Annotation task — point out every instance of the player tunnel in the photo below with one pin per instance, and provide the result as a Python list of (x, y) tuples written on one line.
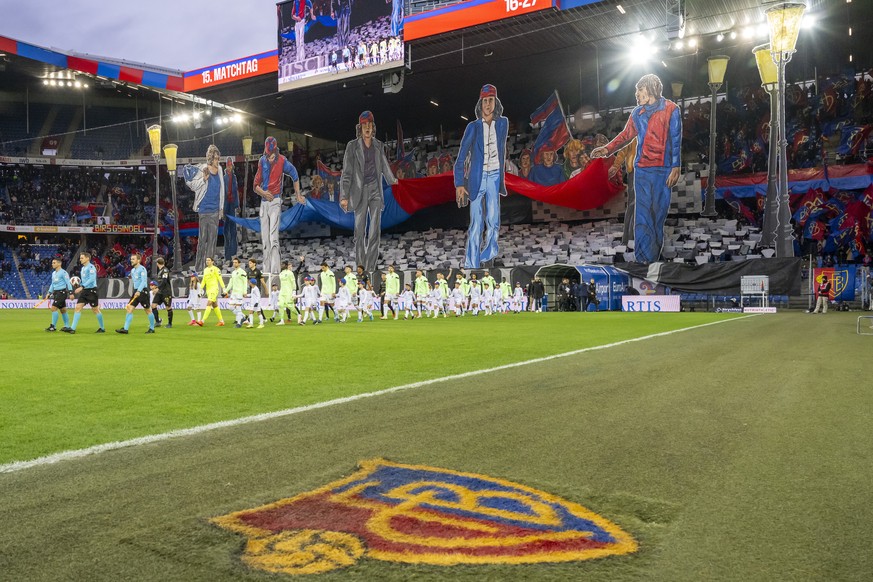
[(552, 277)]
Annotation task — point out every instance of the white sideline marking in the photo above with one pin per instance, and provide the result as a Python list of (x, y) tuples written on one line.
[(96, 449)]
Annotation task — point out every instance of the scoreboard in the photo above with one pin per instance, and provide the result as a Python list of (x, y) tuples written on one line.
[(466, 14)]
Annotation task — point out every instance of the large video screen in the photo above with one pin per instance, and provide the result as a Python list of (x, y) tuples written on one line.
[(329, 40)]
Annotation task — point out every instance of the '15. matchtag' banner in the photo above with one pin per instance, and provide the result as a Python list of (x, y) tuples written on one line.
[(466, 14), (222, 73)]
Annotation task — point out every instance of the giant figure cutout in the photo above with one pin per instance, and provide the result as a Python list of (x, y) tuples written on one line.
[(482, 185), (657, 124), (269, 179), (364, 167)]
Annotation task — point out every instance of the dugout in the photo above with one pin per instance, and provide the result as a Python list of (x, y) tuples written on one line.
[(611, 283)]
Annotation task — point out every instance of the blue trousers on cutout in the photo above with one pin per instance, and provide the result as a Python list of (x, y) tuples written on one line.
[(653, 203), (487, 207)]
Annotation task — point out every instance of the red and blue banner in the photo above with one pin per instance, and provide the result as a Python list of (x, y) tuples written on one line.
[(589, 189), (93, 66), (849, 177)]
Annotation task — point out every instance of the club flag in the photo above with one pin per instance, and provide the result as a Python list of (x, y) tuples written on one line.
[(741, 208), (807, 205), (554, 133), (842, 280), (814, 230)]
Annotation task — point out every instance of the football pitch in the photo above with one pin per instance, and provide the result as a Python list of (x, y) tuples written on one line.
[(727, 447)]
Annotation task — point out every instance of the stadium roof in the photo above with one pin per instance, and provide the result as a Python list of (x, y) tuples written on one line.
[(582, 52)]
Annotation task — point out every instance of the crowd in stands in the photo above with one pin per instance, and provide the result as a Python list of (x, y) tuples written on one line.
[(39, 258), (830, 122), (60, 196)]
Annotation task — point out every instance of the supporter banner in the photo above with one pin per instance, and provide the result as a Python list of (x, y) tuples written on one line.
[(650, 303), (136, 229), (842, 281), (720, 277), (850, 177), (589, 189)]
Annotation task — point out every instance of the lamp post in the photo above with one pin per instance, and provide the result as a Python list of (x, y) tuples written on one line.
[(247, 153), (170, 151), (716, 67), (154, 132), (768, 73), (677, 90), (783, 20)]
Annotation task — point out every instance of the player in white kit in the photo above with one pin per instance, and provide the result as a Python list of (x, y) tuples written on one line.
[(457, 299), (407, 301), (253, 304), (309, 301), (194, 295), (475, 297), (365, 302), (342, 302)]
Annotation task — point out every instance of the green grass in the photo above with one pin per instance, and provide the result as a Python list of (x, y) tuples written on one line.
[(68, 392), (738, 451)]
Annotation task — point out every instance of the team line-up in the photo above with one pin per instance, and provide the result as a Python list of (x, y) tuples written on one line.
[(314, 300)]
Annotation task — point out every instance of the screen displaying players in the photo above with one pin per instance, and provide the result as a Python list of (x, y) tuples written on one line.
[(325, 40)]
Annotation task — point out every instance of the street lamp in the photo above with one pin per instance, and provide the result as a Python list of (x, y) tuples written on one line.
[(247, 153), (716, 66), (783, 20), (768, 73), (170, 151), (677, 94), (154, 132), (677, 87)]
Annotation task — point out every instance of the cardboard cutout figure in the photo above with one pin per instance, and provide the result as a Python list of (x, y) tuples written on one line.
[(657, 124), (484, 145), (364, 166), (207, 182), (272, 168)]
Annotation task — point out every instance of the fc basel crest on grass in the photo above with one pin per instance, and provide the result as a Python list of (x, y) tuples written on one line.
[(421, 515)]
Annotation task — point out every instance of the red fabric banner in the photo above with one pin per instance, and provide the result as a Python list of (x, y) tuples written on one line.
[(589, 189)]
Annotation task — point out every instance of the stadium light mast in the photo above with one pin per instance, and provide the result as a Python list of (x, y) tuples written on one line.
[(170, 151), (247, 153), (769, 79), (783, 20), (154, 132), (716, 67)]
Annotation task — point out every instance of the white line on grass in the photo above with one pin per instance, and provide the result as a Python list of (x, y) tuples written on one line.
[(96, 449)]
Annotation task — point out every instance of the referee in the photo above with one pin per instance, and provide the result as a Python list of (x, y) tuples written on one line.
[(87, 294), (164, 294), (140, 295), (60, 289)]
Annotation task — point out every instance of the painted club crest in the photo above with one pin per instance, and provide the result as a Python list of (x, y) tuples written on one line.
[(421, 515)]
